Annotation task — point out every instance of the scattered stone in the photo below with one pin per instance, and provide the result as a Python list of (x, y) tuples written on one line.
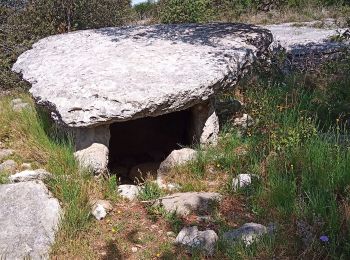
[(8, 166), (4, 153), (189, 202), (29, 217), (242, 181), (243, 122), (18, 105), (202, 240), (104, 203), (140, 172), (177, 158), (306, 47), (100, 209), (26, 166), (129, 191), (248, 233), (30, 175)]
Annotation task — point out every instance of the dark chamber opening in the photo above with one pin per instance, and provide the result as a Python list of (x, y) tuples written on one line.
[(146, 143)]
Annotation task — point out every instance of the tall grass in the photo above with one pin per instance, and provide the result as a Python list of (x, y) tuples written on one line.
[(35, 139), (302, 158)]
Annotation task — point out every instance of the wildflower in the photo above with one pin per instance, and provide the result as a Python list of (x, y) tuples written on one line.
[(158, 255), (324, 238), (114, 230)]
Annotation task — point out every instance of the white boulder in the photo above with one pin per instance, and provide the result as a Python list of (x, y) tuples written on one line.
[(200, 240)]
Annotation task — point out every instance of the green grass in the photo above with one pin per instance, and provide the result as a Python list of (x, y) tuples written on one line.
[(35, 139), (301, 158)]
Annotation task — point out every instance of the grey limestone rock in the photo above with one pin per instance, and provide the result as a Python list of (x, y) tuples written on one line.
[(189, 202), (29, 217), (195, 239), (93, 77)]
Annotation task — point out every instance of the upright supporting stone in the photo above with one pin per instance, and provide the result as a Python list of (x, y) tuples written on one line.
[(92, 147), (205, 124)]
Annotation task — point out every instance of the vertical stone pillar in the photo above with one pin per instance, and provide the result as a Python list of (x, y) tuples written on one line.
[(92, 148), (205, 124)]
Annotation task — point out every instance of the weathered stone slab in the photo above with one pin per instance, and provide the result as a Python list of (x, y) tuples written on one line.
[(29, 217), (190, 202), (307, 46), (95, 77)]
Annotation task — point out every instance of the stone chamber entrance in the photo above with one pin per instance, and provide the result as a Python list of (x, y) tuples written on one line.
[(137, 147)]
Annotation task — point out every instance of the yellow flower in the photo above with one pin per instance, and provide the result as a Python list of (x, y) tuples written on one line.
[(114, 230), (158, 255)]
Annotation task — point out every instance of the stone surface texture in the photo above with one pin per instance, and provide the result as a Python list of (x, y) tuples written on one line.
[(29, 217), (129, 191), (306, 45), (195, 239), (29, 175), (205, 124), (4, 153), (176, 158), (18, 104), (94, 77), (100, 208), (8, 166), (91, 146), (189, 202), (248, 233), (243, 180)]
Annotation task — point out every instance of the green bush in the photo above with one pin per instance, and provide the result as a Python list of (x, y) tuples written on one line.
[(21, 27), (185, 11)]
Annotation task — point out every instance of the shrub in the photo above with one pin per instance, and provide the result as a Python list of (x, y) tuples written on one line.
[(21, 27), (185, 11)]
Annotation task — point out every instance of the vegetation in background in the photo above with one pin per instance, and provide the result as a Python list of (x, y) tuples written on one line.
[(252, 11), (21, 27)]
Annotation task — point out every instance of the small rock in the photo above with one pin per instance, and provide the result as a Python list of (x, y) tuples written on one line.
[(4, 153), (8, 166), (134, 249), (26, 166), (248, 233), (100, 208), (20, 107), (202, 240), (189, 202), (177, 158), (30, 175), (104, 203), (129, 191), (18, 104), (244, 121), (243, 180), (99, 212)]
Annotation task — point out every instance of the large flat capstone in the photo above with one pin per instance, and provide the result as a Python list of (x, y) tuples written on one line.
[(29, 217), (96, 77)]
